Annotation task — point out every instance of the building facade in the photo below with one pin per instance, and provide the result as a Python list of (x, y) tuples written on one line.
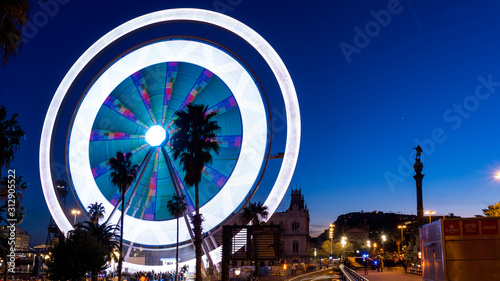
[(294, 224), (23, 238)]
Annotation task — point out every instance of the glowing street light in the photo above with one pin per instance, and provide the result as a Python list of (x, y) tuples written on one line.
[(402, 237), (331, 240), (430, 214), (237, 272), (75, 212), (384, 238), (343, 241)]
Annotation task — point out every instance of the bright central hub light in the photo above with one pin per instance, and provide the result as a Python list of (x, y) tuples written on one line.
[(156, 135)]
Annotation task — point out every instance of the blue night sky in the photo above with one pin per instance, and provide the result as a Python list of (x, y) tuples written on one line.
[(428, 74)]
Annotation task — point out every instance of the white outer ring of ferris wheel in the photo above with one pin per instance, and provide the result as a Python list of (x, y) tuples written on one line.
[(194, 15)]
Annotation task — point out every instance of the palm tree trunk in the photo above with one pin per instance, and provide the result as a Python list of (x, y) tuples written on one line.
[(197, 233), (177, 252), (257, 262), (120, 250)]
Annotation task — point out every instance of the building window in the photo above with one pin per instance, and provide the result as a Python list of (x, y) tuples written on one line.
[(295, 226), (295, 247)]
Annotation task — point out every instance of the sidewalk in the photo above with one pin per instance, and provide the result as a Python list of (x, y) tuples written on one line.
[(290, 277), (389, 274)]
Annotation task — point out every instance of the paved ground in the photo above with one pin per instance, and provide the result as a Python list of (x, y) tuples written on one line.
[(389, 274), (292, 278)]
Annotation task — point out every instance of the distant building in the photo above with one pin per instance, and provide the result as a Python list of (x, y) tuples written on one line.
[(361, 226), (357, 234), (22, 238), (294, 224)]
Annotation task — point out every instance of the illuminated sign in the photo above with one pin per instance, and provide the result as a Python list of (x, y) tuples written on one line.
[(489, 227), (451, 228), (470, 227)]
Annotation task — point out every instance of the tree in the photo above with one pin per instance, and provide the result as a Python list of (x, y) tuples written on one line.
[(96, 212), (254, 211), (123, 173), (4, 251), (193, 143), (11, 134), (176, 207), (12, 200), (492, 210), (104, 234), (86, 249), (14, 16), (451, 215)]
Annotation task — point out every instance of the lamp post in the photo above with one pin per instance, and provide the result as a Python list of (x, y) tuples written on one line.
[(343, 241), (383, 244), (237, 272), (315, 256), (75, 212), (430, 214), (402, 237), (331, 240)]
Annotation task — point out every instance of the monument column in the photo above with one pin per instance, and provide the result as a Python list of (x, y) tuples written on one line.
[(418, 166)]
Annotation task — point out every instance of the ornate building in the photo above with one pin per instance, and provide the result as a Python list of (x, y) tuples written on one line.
[(294, 224)]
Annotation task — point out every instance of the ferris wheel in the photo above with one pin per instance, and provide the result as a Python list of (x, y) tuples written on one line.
[(129, 105)]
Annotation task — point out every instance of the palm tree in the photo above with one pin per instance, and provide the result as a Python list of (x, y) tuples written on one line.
[(104, 233), (96, 212), (11, 133), (20, 186), (87, 248), (253, 212), (193, 143), (14, 16), (176, 207), (122, 175), (4, 251)]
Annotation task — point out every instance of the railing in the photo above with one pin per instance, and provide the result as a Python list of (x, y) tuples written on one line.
[(350, 274)]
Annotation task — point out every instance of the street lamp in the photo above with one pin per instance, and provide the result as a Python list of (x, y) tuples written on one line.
[(343, 241), (237, 272), (402, 237), (75, 212), (331, 240), (430, 214), (383, 243)]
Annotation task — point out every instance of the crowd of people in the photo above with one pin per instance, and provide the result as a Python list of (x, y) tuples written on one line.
[(155, 276)]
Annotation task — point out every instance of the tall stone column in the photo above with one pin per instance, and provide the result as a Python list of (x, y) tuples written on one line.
[(418, 166)]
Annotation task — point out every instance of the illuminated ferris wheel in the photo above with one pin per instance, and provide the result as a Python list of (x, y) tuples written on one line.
[(129, 105)]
